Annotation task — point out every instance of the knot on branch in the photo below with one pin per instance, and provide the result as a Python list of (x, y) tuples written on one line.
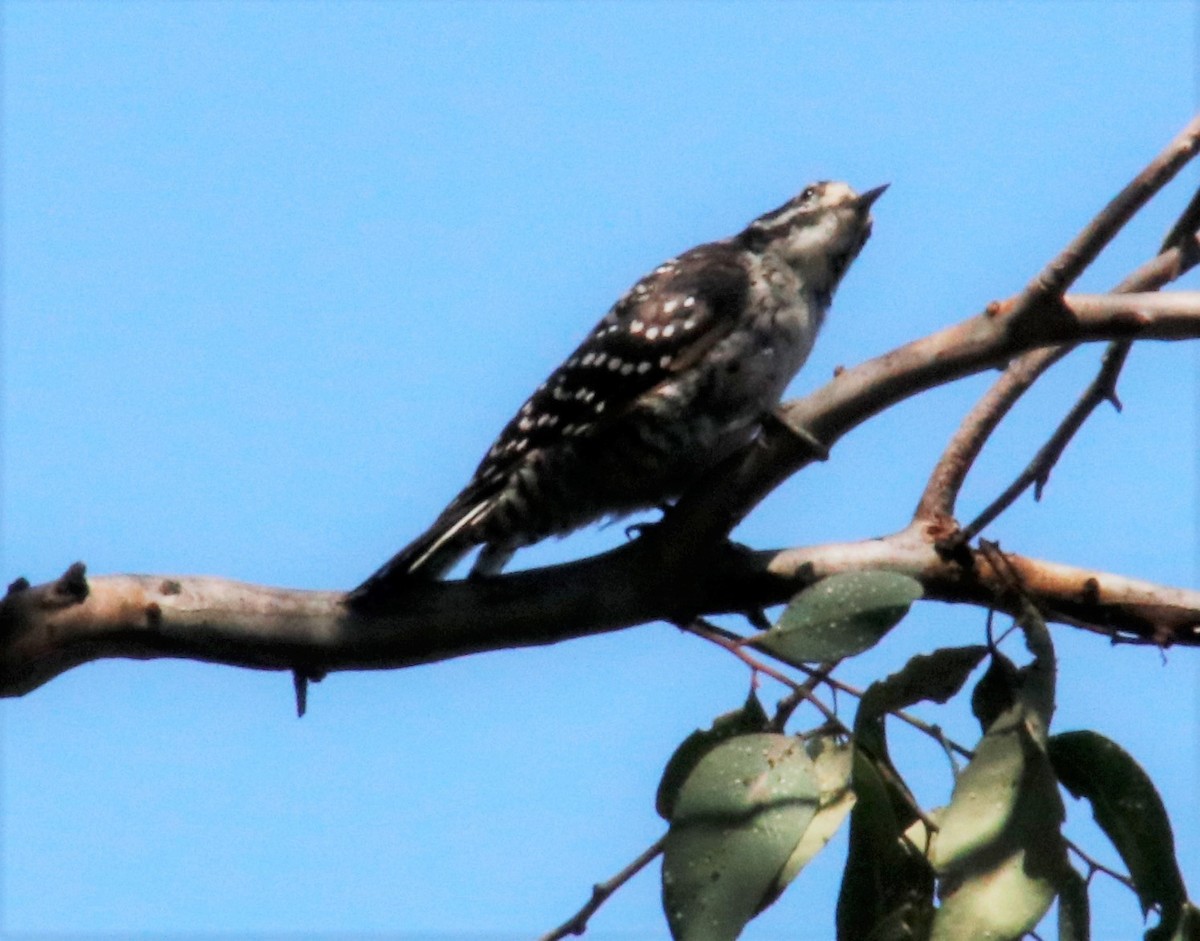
[(72, 586)]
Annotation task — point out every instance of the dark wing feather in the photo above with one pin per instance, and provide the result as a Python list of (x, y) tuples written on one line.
[(663, 325)]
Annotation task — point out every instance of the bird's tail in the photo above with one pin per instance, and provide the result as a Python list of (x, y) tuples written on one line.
[(427, 558)]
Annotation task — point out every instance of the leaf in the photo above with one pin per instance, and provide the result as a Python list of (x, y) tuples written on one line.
[(931, 677), (1002, 903), (832, 763), (841, 616), (751, 717), (737, 819), (887, 886), (999, 854), (1128, 809), (996, 690), (1074, 912), (1038, 677), (935, 676)]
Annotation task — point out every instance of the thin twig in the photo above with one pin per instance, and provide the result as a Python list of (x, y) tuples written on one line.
[(938, 501), (1103, 388), (920, 725), (718, 636), (1095, 866), (577, 923), (790, 702), (821, 675), (941, 492), (1180, 234), (948, 747), (1071, 262)]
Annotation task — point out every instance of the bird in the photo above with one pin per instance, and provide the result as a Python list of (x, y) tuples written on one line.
[(679, 373)]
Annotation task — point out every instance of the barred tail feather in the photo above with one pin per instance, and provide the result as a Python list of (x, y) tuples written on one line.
[(428, 557)]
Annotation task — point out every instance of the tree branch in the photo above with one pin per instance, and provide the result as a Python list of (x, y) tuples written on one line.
[(1178, 255), (601, 891), (46, 630), (667, 574), (1061, 273), (1103, 388), (938, 501)]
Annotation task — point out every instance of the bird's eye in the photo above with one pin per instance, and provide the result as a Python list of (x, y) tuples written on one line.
[(809, 194)]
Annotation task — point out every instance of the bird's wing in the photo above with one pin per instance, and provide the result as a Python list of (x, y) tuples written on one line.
[(663, 325)]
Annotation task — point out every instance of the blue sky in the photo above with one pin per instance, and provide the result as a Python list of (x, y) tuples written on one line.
[(276, 273)]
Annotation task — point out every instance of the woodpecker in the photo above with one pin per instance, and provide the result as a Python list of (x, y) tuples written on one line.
[(677, 375)]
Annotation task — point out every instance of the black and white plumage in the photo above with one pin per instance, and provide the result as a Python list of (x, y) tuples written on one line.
[(677, 375)]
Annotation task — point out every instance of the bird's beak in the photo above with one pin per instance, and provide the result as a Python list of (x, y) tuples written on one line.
[(867, 198)]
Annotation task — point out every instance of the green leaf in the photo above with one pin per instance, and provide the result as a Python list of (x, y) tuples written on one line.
[(887, 886), (933, 677), (1003, 683), (1128, 809), (999, 854), (936, 676), (841, 616), (1039, 676), (1002, 902), (996, 690), (749, 718), (1074, 912), (832, 763), (737, 819)]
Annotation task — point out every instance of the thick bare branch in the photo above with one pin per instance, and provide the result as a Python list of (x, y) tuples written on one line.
[(667, 574), (47, 629)]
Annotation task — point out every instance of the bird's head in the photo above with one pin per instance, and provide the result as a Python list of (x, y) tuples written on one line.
[(817, 233)]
